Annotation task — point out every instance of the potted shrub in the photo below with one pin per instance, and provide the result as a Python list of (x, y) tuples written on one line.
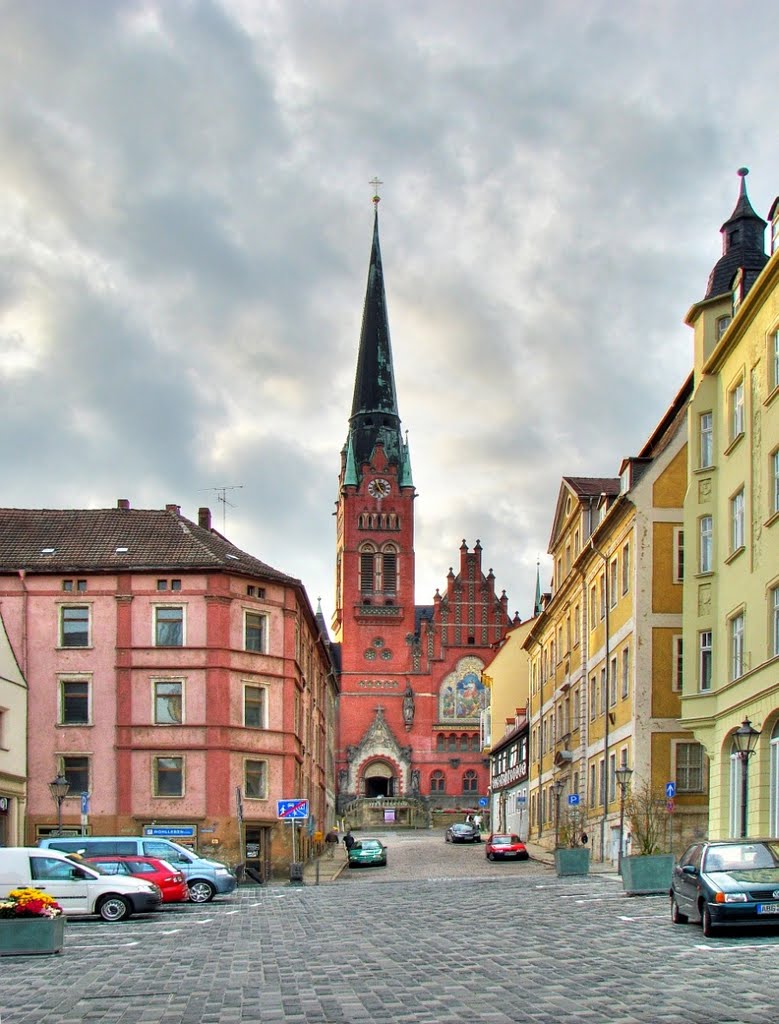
[(572, 856), (646, 870), (31, 922)]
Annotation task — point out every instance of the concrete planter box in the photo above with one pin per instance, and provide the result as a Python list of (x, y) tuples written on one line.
[(643, 875), (29, 936), (572, 861)]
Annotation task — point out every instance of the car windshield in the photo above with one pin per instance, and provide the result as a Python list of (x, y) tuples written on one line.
[(502, 840), (742, 857), (462, 828), (370, 844)]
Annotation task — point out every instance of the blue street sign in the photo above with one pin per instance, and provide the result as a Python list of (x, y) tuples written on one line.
[(170, 831), (573, 799), (292, 809), (670, 790), (482, 801), (85, 803)]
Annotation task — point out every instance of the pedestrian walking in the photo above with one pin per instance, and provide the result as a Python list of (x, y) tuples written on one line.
[(331, 841), (477, 821), (349, 841)]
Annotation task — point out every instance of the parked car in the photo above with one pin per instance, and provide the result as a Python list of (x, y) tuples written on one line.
[(171, 882), (76, 886), (502, 845), (733, 883), (463, 832), (205, 878), (367, 851)]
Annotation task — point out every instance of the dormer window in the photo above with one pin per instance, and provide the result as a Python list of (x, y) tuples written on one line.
[(738, 290), (722, 325), (625, 479)]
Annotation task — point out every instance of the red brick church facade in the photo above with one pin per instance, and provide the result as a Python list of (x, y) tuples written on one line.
[(412, 695)]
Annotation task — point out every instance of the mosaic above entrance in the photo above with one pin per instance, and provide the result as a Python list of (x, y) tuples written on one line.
[(463, 694)]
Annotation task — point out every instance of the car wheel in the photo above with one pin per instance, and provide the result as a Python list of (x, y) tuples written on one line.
[(706, 923), (677, 917), (490, 856), (201, 892), (114, 908)]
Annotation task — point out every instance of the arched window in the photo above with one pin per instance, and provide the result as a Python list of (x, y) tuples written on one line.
[(452, 743), (439, 743), (773, 825), (367, 569), (463, 743), (470, 782), (475, 743), (736, 775), (389, 569), (437, 782)]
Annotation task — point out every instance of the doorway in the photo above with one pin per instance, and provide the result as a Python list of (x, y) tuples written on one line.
[(379, 780), (258, 864)]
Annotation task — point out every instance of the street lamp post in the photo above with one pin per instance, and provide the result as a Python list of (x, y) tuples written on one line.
[(558, 790), (623, 780), (59, 788), (745, 739)]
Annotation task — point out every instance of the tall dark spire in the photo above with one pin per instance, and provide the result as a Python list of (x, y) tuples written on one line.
[(743, 245), (375, 417)]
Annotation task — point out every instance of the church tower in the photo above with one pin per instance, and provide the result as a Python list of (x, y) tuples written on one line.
[(412, 693)]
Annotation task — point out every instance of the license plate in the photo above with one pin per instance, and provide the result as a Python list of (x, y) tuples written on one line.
[(768, 908), (510, 853)]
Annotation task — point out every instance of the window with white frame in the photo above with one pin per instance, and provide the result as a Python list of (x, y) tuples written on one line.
[(625, 672), (677, 665), (576, 626), (169, 625), (255, 706), (704, 659), (612, 777), (593, 608), (602, 594), (592, 789), (678, 570), (737, 521), (774, 360), (737, 410), (255, 780), (255, 632), (723, 323), (626, 567), (613, 683), (706, 547), (168, 776), (737, 646), (774, 626), (168, 701), (603, 690), (690, 766), (593, 697), (775, 482), (706, 440), (74, 625), (75, 701), (613, 578)]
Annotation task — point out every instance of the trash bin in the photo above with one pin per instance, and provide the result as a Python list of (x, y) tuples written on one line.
[(296, 872)]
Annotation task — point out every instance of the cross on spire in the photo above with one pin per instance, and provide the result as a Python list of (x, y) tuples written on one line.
[(376, 197)]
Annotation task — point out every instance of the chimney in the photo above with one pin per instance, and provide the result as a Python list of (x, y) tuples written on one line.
[(173, 508), (123, 503), (204, 518)]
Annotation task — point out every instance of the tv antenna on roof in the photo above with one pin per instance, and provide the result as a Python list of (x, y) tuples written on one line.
[(221, 495)]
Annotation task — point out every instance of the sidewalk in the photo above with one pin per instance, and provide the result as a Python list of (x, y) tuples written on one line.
[(323, 869), (544, 856)]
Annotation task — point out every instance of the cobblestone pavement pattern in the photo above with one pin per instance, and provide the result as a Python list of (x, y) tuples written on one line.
[(438, 937)]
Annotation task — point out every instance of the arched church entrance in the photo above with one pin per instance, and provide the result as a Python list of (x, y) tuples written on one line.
[(379, 780)]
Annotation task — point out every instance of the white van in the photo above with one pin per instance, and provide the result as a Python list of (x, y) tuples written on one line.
[(78, 888), (206, 878)]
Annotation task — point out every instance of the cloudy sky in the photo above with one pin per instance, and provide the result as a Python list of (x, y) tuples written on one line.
[(185, 227)]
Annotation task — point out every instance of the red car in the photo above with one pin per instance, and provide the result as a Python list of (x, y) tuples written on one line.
[(503, 844), (171, 882)]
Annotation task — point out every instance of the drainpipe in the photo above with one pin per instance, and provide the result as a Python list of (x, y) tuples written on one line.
[(605, 703)]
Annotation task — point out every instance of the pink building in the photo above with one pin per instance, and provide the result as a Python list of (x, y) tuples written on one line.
[(172, 677)]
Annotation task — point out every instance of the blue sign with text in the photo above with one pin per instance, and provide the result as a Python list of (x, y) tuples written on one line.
[(170, 831)]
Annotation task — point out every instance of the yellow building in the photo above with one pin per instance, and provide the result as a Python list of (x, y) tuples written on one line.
[(731, 600), (504, 733), (605, 651)]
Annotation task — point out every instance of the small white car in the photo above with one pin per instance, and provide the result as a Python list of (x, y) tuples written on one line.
[(78, 888)]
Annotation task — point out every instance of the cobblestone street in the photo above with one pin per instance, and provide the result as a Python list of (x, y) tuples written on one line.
[(457, 939)]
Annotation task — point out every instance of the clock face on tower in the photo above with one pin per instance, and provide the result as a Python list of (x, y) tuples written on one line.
[(379, 488)]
